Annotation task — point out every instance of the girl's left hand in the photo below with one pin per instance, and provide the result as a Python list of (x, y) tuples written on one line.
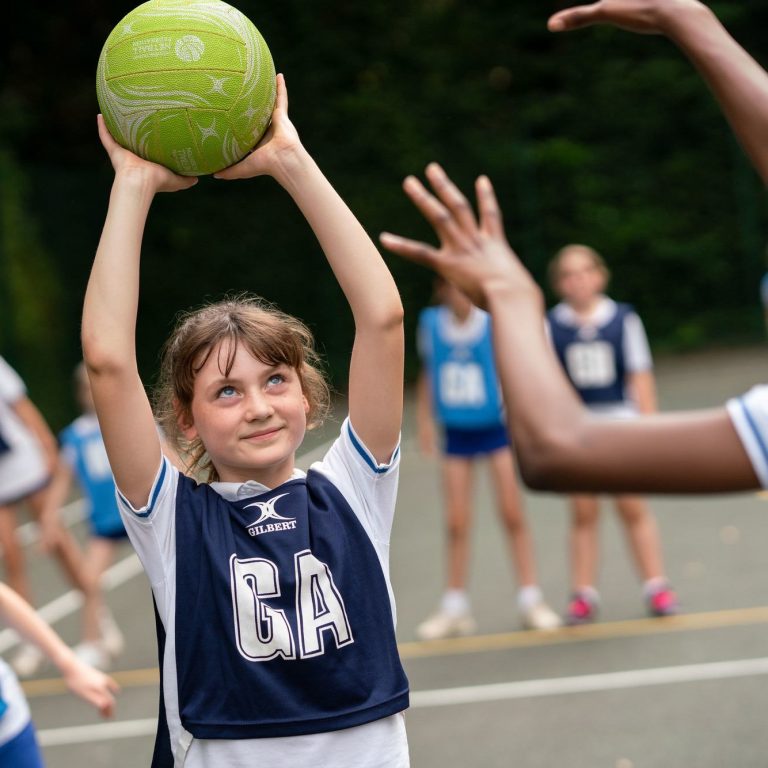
[(270, 154)]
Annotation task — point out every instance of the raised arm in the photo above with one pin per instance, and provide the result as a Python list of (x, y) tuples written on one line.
[(738, 82), (376, 367), (560, 445), (109, 321), (91, 685)]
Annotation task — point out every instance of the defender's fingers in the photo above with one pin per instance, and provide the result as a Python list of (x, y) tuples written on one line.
[(574, 18), (452, 197), (413, 250), (434, 211), (491, 220)]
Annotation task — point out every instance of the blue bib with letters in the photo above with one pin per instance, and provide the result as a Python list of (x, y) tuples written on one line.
[(465, 389), (283, 619)]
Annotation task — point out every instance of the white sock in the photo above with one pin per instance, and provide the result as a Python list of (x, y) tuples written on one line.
[(455, 602), (591, 594), (652, 586), (529, 597)]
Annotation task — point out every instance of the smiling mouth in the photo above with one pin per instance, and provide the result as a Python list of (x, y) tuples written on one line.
[(265, 435)]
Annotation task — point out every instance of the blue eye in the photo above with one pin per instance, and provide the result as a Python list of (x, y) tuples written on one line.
[(276, 378), (227, 392)]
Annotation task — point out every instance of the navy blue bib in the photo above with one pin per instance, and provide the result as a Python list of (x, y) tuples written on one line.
[(283, 619), (595, 365)]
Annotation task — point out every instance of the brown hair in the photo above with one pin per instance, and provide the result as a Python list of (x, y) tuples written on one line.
[(270, 335), (553, 268)]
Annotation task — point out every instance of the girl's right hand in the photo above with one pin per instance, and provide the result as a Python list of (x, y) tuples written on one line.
[(126, 163), (277, 146)]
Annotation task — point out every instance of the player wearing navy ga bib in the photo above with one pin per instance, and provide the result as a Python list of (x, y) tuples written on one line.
[(296, 579), (462, 374)]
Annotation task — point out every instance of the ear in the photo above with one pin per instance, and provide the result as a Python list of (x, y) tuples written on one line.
[(185, 422), (306, 405)]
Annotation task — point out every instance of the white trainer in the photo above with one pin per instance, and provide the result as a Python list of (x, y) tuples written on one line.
[(112, 640), (441, 625), (92, 654), (540, 616), (27, 660)]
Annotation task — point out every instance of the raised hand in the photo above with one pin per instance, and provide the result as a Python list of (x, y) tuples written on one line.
[(474, 253), (644, 16), (125, 162), (269, 155)]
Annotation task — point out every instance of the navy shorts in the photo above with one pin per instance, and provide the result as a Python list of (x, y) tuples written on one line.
[(475, 442)]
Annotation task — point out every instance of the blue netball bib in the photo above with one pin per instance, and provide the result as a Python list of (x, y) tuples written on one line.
[(465, 389), (283, 620)]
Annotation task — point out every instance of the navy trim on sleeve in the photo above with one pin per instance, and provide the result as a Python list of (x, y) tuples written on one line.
[(360, 448), (755, 431), (153, 498)]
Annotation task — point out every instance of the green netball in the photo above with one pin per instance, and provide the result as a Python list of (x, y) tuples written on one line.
[(189, 84)]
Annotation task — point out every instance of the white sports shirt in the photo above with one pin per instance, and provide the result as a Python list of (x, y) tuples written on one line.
[(371, 490), (749, 414)]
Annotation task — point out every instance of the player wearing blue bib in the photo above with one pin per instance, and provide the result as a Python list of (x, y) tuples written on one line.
[(275, 612), (459, 391), (83, 458), (604, 352)]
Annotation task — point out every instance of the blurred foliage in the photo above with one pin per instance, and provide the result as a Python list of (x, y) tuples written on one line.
[(598, 136)]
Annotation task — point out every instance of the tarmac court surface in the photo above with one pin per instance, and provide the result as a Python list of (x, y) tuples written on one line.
[(627, 692)]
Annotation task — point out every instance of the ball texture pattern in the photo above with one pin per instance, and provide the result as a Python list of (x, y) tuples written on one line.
[(189, 84)]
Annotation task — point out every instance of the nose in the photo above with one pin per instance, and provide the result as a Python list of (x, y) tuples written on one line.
[(257, 406)]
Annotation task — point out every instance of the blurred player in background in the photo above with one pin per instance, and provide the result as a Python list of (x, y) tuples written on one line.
[(28, 458), (604, 351), (83, 458), (458, 390)]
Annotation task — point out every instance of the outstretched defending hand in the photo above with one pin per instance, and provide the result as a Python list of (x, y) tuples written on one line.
[(474, 253), (280, 139), (645, 16), (160, 178)]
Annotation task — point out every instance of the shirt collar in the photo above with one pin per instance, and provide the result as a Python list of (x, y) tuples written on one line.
[(237, 491), (603, 312)]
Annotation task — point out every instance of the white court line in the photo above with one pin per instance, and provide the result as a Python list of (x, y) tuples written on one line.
[(475, 694), (82, 734), (606, 681)]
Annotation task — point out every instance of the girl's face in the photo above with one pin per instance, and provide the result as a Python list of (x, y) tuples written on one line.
[(252, 421), (579, 279)]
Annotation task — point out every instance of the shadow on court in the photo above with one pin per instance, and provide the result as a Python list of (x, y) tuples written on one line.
[(627, 692)]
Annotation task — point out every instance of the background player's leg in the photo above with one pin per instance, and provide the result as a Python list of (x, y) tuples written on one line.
[(454, 615), (534, 612), (645, 544), (584, 546)]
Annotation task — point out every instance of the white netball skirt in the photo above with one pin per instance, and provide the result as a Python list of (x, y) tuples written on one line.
[(23, 471)]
